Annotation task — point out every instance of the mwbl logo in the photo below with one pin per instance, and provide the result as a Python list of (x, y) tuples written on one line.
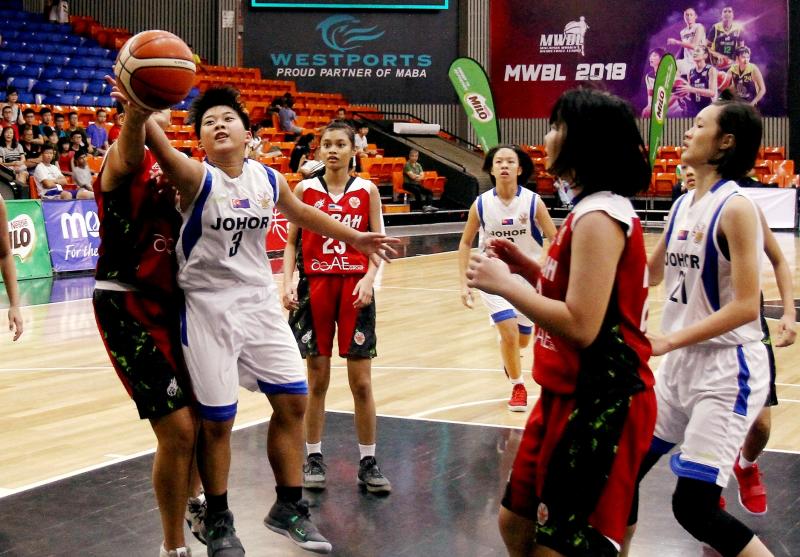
[(343, 33)]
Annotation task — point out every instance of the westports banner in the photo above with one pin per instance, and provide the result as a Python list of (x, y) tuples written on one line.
[(28, 239), (540, 48), (472, 88), (370, 57), (73, 230)]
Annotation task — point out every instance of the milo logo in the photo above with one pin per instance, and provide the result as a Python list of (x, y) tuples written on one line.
[(22, 236), (480, 109), (661, 97)]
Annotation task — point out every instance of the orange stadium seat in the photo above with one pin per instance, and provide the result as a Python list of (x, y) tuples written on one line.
[(663, 183), (773, 153), (669, 152), (762, 168), (545, 184), (785, 167)]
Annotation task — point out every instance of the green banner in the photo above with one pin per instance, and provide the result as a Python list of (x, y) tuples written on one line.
[(28, 239), (472, 87), (662, 88)]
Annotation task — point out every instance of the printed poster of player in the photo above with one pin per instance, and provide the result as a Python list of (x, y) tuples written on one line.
[(540, 48)]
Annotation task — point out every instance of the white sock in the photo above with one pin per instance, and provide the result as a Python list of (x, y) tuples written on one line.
[(744, 463), (200, 498), (518, 381), (312, 448), (366, 450)]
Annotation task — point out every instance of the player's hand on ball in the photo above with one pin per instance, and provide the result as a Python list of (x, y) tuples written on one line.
[(489, 274)]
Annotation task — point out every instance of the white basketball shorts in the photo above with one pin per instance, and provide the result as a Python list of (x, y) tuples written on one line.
[(238, 337), (708, 397), (500, 310)]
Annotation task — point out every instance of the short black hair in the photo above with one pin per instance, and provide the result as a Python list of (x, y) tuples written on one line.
[(48, 147), (743, 50), (525, 162), (11, 90), (305, 139), (216, 96), (339, 125), (44, 111), (600, 127), (28, 111), (72, 113), (743, 122), (58, 115)]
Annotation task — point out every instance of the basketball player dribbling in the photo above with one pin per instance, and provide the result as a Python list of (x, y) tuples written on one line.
[(591, 427), (715, 377), (8, 270), (233, 331), (335, 294), (136, 303), (509, 210)]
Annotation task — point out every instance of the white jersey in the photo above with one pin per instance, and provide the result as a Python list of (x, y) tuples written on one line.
[(694, 34), (223, 237), (697, 276), (515, 221)]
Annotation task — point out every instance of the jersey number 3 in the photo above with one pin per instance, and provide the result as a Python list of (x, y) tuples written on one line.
[(237, 239)]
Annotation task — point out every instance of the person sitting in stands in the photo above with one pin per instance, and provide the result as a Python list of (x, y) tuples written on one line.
[(97, 134), (65, 154), (47, 126), (29, 120), (8, 121), (412, 182), (74, 126), (288, 118), (12, 95), (32, 151), (12, 156), (116, 127), (82, 175), (50, 180)]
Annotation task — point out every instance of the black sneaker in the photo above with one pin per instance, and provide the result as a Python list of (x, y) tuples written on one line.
[(370, 475), (221, 536), (314, 472), (294, 521)]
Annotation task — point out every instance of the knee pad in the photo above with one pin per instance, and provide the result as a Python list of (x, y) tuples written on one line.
[(695, 505)]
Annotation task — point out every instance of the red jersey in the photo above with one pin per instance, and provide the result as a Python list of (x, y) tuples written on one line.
[(557, 361), (322, 255), (139, 226)]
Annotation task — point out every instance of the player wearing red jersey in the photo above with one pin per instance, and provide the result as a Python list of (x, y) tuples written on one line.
[(136, 302), (335, 292), (592, 425)]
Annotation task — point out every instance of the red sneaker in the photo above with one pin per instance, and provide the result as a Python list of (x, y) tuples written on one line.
[(722, 503), (752, 494), (519, 398)]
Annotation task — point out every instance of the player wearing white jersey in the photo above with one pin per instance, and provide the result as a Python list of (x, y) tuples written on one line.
[(714, 379), (507, 211), (233, 330), (692, 35)]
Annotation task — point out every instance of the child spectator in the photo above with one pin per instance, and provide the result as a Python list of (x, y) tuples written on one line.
[(50, 181), (65, 154), (98, 136), (81, 173)]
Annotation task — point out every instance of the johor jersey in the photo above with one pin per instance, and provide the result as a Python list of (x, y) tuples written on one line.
[(697, 274), (515, 221), (322, 255), (621, 340), (222, 242), (137, 242), (743, 82)]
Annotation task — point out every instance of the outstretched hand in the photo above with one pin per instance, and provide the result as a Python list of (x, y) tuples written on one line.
[(376, 245), (121, 96)]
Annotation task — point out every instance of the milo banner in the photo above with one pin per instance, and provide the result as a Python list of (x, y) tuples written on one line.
[(472, 88), (662, 89), (540, 48), (28, 239), (73, 230)]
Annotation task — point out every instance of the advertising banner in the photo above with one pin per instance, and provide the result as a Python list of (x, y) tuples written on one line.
[(662, 90), (540, 48), (73, 231), (370, 57), (472, 88), (26, 232)]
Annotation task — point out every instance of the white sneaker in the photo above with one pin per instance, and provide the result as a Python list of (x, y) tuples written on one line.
[(178, 552), (195, 516)]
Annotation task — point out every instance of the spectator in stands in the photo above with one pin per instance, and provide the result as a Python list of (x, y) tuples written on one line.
[(74, 126), (32, 150), (12, 155), (412, 182), (274, 108), (29, 121), (341, 116), (50, 181), (301, 152), (57, 11), (288, 118), (362, 145), (81, 173), (65, 154), (52, 140), (97, 134), (60, 128), (47, 126), (12, 96), (9, 122), (113, 132), (684, 185), (76, 142)]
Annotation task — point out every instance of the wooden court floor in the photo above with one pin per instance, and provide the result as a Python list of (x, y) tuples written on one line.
[(63, 410)]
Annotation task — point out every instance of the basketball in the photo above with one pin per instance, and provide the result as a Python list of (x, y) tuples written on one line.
[(155, 69), (679, 82)]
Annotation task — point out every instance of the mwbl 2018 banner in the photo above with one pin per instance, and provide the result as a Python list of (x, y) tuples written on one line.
[(540, 48)]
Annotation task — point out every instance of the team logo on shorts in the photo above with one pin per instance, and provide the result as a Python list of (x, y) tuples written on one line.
[(355, 202), (542, 514), (172, 390), (306, 337), (359, 338)]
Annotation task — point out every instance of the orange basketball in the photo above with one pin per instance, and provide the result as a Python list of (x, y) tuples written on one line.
[(155, 69)]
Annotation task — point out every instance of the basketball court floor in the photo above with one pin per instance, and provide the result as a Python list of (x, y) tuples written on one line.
[(75, 461)]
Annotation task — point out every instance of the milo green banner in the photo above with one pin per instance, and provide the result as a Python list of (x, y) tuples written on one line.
[(28, 239), (472, 87), (662, 87)]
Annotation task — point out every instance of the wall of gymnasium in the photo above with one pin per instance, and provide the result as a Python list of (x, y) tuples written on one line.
[(198, 22)]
